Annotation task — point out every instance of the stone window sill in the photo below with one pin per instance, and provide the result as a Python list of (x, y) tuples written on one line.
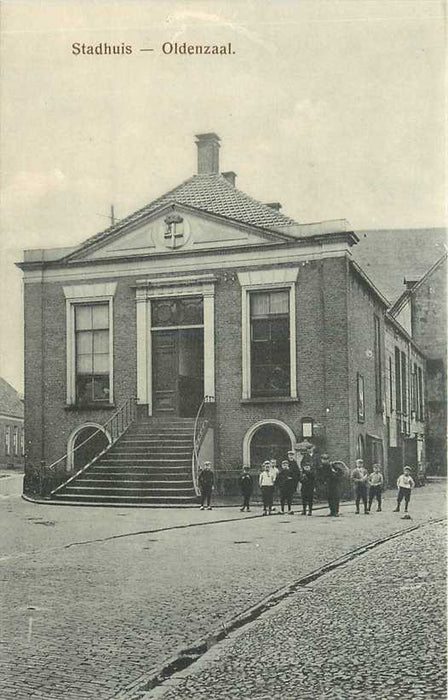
[(97, 406), (270, 399)]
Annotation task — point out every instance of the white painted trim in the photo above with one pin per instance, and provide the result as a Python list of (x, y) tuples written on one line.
[(268, 276), (159, 264), (267, 279), (179, 280), (90, 291), (209, 344), (148, 340), (199, 285), (11, 418), (142, 347), (293, 341), (72, 437), (256, 426), (245, 336), (71, 302)]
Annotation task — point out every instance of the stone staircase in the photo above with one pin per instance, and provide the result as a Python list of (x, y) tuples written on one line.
[(150, 464)]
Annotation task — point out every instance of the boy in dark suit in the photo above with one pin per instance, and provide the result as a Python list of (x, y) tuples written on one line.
[(246, 486)]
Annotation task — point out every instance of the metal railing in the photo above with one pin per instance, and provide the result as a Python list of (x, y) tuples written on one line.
[(200, 429), (114, 427)]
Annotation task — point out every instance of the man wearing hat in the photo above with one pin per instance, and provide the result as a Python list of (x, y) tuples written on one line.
[(360, 477), (294, 468), (333, 473), (405, 484)]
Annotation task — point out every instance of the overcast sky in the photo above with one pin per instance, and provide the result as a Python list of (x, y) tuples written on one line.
[(335, 109)]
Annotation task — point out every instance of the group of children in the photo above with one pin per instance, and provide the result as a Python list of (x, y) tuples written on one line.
[(286, 480), (368, 486)]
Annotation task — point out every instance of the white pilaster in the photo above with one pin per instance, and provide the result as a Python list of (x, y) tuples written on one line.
[(142, 347), (209, 344)]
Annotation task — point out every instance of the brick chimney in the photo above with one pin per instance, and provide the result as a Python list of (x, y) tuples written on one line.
[(274, 205), (230, 177), (208, 153)]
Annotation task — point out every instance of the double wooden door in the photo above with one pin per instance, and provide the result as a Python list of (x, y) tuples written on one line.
[(177, 371)]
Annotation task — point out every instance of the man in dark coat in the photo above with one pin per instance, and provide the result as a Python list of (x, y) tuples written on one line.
[(333, 473), (294, 468), (307, 478), (246, 486), (286, 485), (205, 481)]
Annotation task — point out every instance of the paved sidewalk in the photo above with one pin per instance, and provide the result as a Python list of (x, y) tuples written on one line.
[(375, 628), (85, 613)]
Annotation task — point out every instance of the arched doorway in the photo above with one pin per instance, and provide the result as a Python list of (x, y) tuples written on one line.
[(82, 447), (267, 440)]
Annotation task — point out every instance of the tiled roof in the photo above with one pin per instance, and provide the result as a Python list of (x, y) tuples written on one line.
[(210, 193), (10, 403)]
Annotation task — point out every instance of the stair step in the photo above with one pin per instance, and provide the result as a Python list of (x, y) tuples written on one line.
[(131, 450), (109, 459), (153, 471), (149, 464), (133, 483), (121, 500), (140, 493)]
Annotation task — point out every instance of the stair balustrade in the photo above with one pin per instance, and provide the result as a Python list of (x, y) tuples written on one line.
[(201, 425), (115, 426)]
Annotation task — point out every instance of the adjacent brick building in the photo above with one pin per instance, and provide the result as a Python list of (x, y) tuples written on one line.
[(421, 310), (206, 292), (12, 449)]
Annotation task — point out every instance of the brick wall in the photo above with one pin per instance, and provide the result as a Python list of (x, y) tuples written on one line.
[(48, 421), (429, 328), (334, 332), (321, 362), (363, 307)]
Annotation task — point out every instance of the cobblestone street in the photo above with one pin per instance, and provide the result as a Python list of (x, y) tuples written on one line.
[(93, 599), (374, 629)]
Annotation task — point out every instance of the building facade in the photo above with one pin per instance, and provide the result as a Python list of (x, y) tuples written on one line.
[(421, 310), (206, 293), (12, 437)]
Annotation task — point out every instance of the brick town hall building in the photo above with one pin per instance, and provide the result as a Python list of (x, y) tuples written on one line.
[(208, 325)]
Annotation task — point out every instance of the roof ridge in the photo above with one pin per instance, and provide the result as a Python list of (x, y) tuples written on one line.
[(244, 208), (398, 305)]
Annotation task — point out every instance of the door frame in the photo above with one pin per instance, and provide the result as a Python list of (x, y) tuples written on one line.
[(176, 333), (174, 287)]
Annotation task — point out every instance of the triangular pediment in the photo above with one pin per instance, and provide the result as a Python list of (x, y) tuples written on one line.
[(175, 228)]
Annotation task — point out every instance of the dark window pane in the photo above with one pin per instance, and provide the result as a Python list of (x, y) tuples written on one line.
[(279, 328), (261, 353), (270, 352), (101, 387), (186, 311), (261, 329)]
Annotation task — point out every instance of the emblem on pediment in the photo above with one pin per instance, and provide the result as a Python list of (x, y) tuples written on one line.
[(176, 232)]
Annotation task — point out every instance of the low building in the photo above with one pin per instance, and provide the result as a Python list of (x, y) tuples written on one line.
[(238, 331), (12, 437)]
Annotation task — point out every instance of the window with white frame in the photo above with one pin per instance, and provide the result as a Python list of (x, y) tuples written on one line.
[(15, 440), (269, 363), (270, 343), (22, 442), (92, 373), (8, 440), (89, 344)]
